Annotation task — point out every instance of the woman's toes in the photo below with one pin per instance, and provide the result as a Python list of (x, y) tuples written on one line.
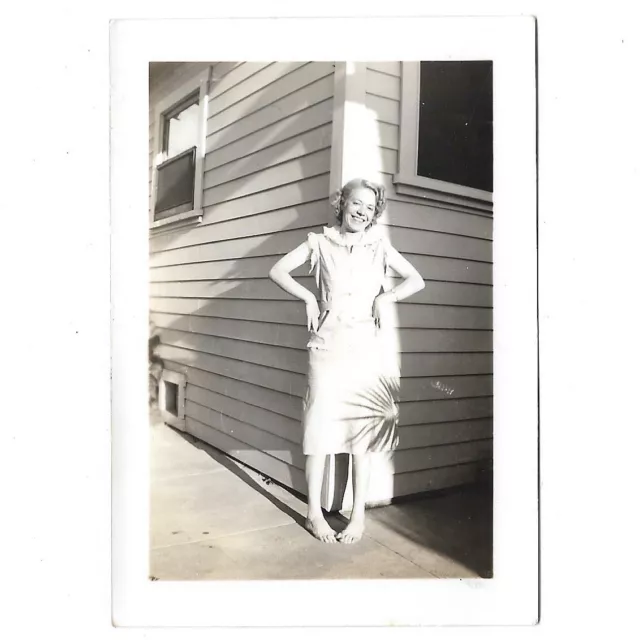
[(320, 529), (352, 533)]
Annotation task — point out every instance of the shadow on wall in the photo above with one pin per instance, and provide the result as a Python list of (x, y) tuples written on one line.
[(222, 299), (156, 365), (223, 295)]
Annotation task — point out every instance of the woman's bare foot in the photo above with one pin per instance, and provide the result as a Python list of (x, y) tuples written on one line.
[(353, 531), (320, 529)]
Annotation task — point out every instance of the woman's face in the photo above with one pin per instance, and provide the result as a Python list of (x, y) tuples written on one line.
[(358, 211)]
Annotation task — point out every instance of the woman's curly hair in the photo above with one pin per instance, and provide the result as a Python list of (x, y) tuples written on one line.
[(339, 198)]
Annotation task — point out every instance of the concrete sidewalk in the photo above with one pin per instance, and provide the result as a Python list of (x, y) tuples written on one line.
[(213, 518)]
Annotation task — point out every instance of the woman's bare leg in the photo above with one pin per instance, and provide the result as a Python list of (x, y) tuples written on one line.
[(361, 468), (316, 524)]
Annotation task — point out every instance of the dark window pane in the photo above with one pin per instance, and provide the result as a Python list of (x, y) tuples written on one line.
[(175, 184), (171, 398), (455, 139)]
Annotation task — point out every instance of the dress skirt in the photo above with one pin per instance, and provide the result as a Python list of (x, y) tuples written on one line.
[(351, 402)]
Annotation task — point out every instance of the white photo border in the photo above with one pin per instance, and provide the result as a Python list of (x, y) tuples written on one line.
[(511, 597)]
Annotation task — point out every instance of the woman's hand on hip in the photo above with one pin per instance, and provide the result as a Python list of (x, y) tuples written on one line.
[(313, 314), (381, 302)]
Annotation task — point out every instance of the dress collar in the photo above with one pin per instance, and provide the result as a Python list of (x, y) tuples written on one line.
[(372, 236)]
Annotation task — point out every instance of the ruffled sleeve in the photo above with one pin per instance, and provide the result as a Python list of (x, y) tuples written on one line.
[(314, 254), (386, 246)]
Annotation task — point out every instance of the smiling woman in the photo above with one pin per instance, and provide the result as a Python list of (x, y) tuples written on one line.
[(353, 384)]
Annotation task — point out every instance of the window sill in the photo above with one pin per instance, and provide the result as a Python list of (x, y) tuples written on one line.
[(186, 219), (438, 191)]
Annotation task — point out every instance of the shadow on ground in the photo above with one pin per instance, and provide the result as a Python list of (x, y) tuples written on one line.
[(262, 484), (454, 524)]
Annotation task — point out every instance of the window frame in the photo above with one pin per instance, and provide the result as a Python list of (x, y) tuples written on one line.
[(406, 180), (178, 419), (164, 109), (177, 209)]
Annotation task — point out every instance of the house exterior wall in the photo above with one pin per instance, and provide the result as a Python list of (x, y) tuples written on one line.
[(445, 331), (279, 138), (239, 339)]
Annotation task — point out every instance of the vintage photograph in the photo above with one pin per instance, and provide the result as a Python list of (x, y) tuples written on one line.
[(321, 320)]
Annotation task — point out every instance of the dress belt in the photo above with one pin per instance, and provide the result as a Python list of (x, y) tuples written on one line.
[(345, 312)]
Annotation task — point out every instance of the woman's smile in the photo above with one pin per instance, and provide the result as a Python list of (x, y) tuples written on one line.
[(358, 217), (359, 210)]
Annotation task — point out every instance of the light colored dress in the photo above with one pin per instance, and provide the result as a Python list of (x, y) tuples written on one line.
[(351, 401)]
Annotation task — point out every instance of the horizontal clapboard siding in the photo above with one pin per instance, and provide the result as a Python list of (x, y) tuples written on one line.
[(201, 266), (255, 268), (434, 445), (427, 435), (224, 80), (428, 236), (452, 475), (247, 248), (265, 88), (287, 360), (428, 411), (384, 109), (244, 370), (249, 436), (288, 451), (253, 257), (266, 186), (382, 84), (287, 195), (414, 389), (271, 154), (282, 118), (249, 92), (438, 456), (293, 312), (261, 460), (277, 402), (301, 205), (388, 135), (416, 242), (281, 433), (435, 293), (289, 367), (389, 67), (249, 444), (314, 164), (425, 217), (296, 337)]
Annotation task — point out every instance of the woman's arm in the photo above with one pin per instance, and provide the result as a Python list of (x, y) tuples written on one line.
[(412, 283), (280, 274)]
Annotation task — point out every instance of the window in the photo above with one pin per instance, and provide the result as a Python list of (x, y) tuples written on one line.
[(446, 132), (171, 398), (455, 123), (180, 129)]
